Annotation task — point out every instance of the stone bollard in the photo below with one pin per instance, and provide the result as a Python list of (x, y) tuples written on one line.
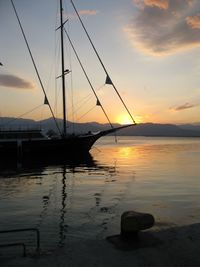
[(132, 222)]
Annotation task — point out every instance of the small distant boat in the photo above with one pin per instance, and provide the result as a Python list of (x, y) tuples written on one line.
[(33, 143)]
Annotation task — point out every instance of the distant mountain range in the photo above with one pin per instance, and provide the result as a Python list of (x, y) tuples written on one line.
[(143, 129)]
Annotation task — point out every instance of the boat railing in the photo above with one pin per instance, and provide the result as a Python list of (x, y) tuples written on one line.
[(20, 128), (21, 243), (6, 134)]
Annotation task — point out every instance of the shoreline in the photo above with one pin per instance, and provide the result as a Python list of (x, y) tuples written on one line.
[(174, 246)]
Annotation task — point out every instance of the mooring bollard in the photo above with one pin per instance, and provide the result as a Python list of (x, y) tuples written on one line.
[(133, 222)]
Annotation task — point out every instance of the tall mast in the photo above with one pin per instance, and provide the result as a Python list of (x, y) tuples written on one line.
[(63, 69)]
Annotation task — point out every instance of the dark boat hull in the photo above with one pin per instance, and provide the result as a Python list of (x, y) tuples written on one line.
[(70, 147), (67, 147)]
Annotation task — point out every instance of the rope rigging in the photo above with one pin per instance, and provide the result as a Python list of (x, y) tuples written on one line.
[(64, 72), (20, 116), (85, 100), (34, 64), (108, 79), (86, 113), (91, 86)]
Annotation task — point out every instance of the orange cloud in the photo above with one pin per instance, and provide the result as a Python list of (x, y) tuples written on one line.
[(165, 30), (83, 12), (194, 21), (162, 4), (89, 12)]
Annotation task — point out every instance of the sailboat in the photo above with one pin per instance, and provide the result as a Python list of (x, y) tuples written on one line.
[(32, 143)]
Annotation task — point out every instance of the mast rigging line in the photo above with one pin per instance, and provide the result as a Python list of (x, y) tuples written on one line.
[(63, 69), (20, 116), (83, 102), (86, 99), (69, 52), (86, 113), (34, 64), (83, 69), (100, 60)]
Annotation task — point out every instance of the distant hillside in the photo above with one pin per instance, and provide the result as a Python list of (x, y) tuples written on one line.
[(14, 123), (195, 127), (151, 129), (143, 129)]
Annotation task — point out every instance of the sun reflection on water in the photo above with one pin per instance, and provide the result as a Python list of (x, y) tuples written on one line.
[(148, 175)]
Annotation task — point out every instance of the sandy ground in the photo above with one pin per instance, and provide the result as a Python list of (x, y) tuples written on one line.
[(175, 246)]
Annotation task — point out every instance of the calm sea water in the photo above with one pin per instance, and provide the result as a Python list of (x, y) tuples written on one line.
[(156, 175)]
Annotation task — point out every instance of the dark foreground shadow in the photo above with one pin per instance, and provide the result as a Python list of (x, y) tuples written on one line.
[(142, 240), (175, 246)]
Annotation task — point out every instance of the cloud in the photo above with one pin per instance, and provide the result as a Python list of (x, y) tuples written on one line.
[(194, 21), (184, 106), (15, 82), (89, 12), (162, 27), (162, 4), (138, 4), (83, 12)]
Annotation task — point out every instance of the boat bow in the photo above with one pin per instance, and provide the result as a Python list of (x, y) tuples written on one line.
[(113, 130)]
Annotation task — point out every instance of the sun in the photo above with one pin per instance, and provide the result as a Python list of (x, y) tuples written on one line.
[(126, 119)]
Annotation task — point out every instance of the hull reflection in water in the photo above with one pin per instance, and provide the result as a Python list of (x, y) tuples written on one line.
[(40, 162), (52, 197)]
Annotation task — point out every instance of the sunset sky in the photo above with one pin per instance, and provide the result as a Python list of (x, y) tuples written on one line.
[(151, 49)]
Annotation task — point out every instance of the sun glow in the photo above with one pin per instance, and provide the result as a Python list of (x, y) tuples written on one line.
[(126, 119)]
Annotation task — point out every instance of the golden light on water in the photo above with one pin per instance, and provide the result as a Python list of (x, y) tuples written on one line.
[(125, 152)]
